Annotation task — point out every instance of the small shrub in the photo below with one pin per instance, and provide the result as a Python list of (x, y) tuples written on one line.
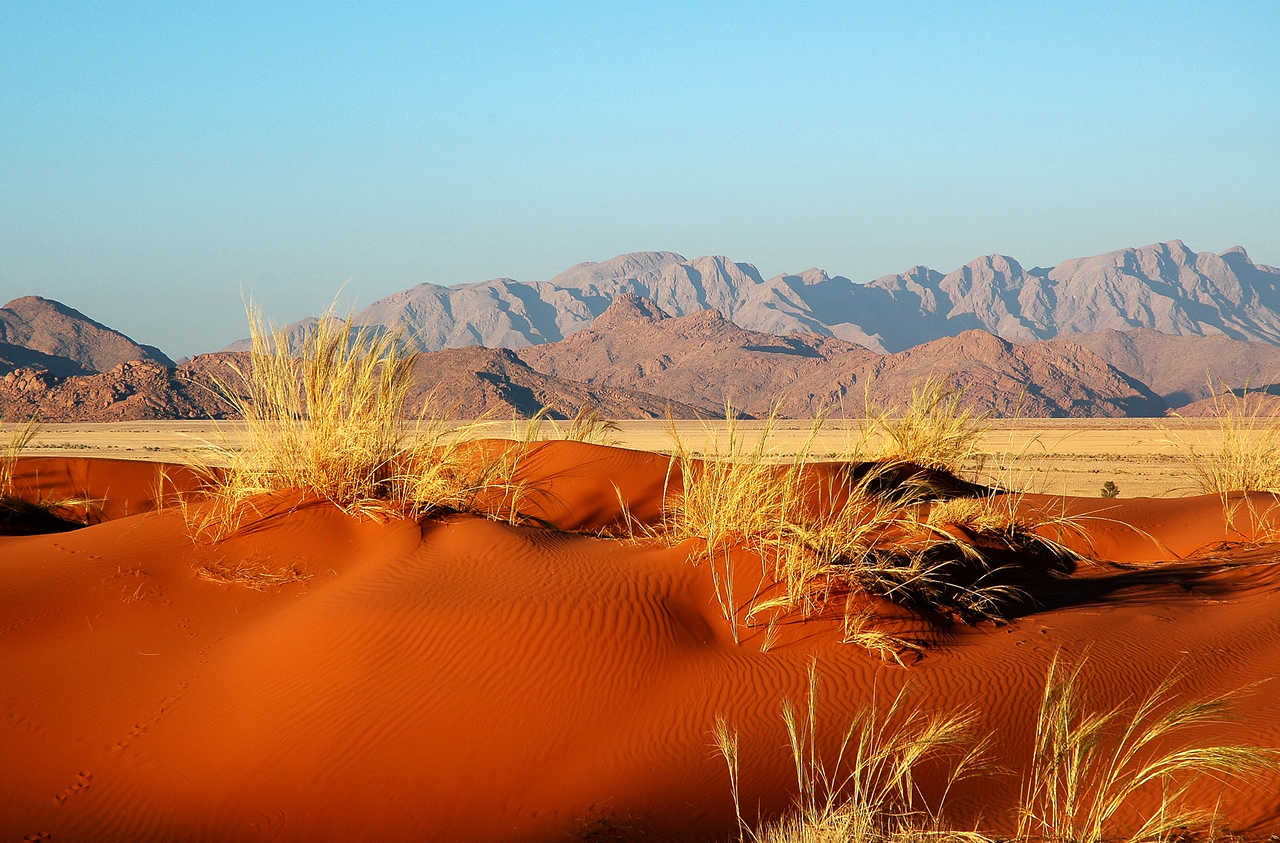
[(1109, 490)]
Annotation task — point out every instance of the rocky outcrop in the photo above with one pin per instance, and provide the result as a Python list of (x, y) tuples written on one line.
[(133, 391), (463, 383)]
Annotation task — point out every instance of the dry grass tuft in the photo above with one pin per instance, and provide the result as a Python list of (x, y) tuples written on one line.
[(254, 575), (867, 791), (588, 425), (985, 514), (1090, 765), (822, 533), (1247, 457), (329, 422), (1087, 768), (15, 441), (934, 430)]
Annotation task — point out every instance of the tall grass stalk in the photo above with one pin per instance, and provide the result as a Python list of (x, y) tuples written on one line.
[(15, 440), (1090, 766), (1246, 457), (866, 789)]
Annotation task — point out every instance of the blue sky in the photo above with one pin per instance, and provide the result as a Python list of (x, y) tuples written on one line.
[(155, 161)]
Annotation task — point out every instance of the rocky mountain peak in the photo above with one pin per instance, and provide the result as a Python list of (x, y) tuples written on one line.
[(628, 307), (52, 328)]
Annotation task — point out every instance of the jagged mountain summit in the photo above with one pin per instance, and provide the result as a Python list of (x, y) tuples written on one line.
[(1164, 287)]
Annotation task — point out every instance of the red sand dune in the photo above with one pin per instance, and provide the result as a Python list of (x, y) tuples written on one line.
[(465, 679)]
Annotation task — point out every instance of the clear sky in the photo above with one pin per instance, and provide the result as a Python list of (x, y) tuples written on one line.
[(158, 159)]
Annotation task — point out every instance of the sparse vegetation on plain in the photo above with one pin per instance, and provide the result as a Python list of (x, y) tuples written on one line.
[(1088, 768)]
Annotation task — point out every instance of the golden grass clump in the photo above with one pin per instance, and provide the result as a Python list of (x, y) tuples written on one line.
[(867, 789), (982, 514), (934, 430), (589, 425), (739, 500), (1246, 457), (1088, 767), (826, 531), (329, 422)]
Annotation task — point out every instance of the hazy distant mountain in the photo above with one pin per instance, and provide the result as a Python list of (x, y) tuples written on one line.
[(1178, 368), (702, 359), (1164, 287), (53, 329), (1132, 332)]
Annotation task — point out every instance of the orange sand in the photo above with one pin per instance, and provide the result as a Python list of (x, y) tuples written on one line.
[(464, 679)]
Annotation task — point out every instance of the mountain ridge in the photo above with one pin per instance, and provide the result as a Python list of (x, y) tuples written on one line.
[(703, 359), (1165, 287), (75, 341)]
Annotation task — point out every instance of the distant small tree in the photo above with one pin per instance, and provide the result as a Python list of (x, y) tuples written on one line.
[(1110, 490)]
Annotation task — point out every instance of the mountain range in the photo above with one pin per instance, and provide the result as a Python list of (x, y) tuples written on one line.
[(1136, 332), (703, 360), (1164, 287)]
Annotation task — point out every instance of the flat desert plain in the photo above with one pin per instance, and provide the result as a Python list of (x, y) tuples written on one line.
[(1143, 457), (558, 670)]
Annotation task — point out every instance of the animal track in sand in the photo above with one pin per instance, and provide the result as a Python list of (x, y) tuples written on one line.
[(84, 779), (143, 726)]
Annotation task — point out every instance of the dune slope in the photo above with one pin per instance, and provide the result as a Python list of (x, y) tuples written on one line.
[(465, 679)]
